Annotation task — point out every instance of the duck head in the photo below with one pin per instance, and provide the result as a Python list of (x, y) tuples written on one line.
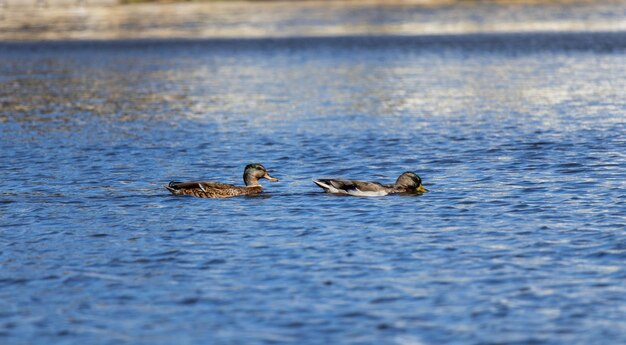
[(253, 172), (410, 182)]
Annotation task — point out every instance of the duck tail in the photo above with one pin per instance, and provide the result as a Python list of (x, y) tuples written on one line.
[(325, 185), (172, 187)]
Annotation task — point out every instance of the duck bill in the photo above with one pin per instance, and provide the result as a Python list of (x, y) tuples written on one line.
[(267, 176), (421, 189)]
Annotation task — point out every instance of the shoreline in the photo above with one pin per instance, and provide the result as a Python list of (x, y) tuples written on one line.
[(276, 19), (601, 42)]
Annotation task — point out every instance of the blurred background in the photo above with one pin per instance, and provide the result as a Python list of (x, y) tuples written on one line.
[(132, 19)]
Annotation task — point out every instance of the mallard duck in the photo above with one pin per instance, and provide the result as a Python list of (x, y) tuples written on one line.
[(408, 182), (203, 189)]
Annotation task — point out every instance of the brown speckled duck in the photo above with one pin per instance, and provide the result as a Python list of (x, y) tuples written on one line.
[(408, 183), (204, 189)]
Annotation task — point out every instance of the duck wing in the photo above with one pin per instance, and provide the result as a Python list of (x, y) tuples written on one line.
[(352, 187), (199, 184)]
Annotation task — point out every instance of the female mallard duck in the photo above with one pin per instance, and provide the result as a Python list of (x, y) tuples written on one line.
[(408, 182), (203, 189)]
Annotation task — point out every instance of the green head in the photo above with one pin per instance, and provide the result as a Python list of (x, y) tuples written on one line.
[(253, 172), (410, 182)]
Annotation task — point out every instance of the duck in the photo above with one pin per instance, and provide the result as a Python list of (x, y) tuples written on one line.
[(205, 189), (408, 183)]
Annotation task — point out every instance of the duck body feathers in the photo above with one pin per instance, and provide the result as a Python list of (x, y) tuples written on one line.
[(407, 183), (353, 187), (205, 189)]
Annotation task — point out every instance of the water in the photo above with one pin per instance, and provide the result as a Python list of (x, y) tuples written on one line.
[(520, 139)]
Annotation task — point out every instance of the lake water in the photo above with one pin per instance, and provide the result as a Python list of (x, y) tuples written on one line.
[(520, 138)]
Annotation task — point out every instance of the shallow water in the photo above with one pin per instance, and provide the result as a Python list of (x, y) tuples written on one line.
[(520, 139)]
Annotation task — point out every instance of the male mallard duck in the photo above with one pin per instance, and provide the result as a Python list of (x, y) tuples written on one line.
[(408, 182), (203, 189)]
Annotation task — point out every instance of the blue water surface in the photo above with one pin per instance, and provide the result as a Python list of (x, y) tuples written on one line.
[(521, 140)]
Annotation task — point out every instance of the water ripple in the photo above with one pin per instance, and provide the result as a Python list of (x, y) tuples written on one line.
[(520, 239)]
